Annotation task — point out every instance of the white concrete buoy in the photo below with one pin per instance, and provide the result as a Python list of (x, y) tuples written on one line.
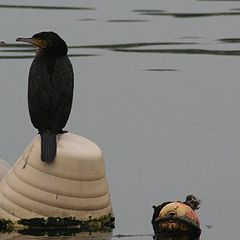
[(73, 185)]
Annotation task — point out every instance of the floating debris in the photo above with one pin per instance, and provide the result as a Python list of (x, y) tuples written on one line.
[(177, 217)]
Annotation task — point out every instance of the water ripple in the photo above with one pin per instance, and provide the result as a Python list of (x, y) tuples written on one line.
[(151, 12), (229, 40), (161, 70), (218, 0), (32, 56), (131, 45), (46, 7), (87, 19), (127, 20), (23, 50), (184, 51)]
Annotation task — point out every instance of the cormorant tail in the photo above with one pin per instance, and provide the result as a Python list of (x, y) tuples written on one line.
[(48, 147)]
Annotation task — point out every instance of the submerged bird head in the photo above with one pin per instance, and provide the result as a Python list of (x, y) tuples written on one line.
[(47, 42), (193, 202)]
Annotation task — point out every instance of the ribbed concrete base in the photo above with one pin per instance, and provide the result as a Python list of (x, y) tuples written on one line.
[(4, 168), (74, 185)]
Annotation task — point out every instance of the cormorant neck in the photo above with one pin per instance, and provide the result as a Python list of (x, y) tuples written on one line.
[(53, 52)]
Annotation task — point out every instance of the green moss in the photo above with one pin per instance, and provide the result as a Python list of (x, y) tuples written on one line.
[(6, 225), (55, 226)]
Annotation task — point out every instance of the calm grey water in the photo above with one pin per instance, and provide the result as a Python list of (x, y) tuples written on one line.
[(157, 87)]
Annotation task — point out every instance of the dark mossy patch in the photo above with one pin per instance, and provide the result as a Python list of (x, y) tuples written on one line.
[(50, 232), (95, 224), (56, 226), (164, 225), (6, 225)]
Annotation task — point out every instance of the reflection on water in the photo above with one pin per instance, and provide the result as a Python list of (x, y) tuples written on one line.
[(183, 237), (160, 237), (131, 45), (161, 69), (126, 20), (184, 51), (183, 122), (32, 56), (46, 7), (56, 236), (218, 0), (87, 19), (151, 12), (51, 235), (229, 40), (17, 50), (138, 47), (24, 48)]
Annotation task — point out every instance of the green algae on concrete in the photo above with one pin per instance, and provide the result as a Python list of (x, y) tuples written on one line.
[(6, 225), (70, 224)]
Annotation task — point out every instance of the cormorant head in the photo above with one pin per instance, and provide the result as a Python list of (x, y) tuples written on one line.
[(47, 42), (193, 202)]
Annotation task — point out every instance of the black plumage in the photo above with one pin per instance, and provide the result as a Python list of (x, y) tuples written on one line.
[(50, 89)]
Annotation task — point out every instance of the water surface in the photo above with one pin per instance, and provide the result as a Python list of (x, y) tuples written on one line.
[(156, 87)]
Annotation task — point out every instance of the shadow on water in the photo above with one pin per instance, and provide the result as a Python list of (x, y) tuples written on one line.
[(45, 7), (151, 12)]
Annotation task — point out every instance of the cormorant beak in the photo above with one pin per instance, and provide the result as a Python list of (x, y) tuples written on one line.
[(36, 42)]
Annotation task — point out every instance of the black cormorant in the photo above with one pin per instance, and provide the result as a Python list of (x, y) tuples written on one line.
[(50, 89)]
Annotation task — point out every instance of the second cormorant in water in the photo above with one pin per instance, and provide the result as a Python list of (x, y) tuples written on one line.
[(50, 89)]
